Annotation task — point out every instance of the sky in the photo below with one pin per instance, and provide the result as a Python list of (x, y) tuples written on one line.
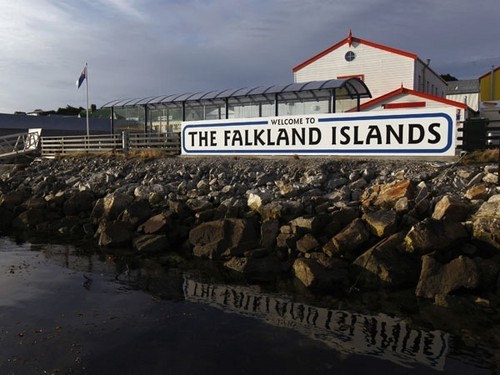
[(143, 48)]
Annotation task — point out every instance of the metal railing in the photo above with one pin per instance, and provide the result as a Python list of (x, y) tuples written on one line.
[(63, 145), (19, 143), (478, 133)]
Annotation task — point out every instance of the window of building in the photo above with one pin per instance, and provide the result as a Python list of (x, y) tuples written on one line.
[(350, 56)]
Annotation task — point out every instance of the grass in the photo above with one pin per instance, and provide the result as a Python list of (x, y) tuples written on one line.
[(482, 156), (145, 154)]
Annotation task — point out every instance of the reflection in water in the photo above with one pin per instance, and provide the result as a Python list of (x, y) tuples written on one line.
[(373, 335), (380, 336)]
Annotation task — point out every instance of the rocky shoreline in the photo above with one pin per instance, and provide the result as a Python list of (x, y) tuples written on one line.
[(335, 225)]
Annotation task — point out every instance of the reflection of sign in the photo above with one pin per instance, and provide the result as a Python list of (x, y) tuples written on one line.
[(417, 132), (352, 333)]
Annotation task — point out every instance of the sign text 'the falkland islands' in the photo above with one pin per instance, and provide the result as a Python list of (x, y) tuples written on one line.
[(416, 132)]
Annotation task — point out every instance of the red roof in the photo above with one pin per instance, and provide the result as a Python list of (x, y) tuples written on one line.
[(403, 90), (350, 40)]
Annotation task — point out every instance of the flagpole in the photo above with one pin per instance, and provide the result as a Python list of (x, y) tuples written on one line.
[(87, 89)]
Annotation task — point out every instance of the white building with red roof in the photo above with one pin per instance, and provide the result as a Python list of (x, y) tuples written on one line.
[(396, 78)]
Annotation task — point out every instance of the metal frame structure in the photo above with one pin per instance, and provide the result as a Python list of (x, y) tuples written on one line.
[(331, 90)]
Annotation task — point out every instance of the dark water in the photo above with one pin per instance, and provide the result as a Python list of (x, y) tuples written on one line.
[(66, 313)]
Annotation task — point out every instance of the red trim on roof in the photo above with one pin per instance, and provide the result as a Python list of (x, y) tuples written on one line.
[(487, 74), (403, 90), (350, 39), (360, 76), (404, 105)]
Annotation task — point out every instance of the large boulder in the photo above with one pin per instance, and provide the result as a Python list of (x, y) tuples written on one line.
[(112, 205), (486, 222), (156, 224), (384, 265), (308, 224), (317, 275), (382, 222), (221, 239), (136, 213), (79, 202), (387, 195), (339, 219), (440, 279), (257, 199), (349, 241), (114, 234), (29, 219), (430, 235), (451, 208), (307, 244), (12, 199)]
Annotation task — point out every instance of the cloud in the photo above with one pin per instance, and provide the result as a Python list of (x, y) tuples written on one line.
[(150, 47), (131, 8)]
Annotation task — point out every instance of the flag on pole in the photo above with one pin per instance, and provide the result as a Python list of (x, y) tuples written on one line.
[(82, 77)]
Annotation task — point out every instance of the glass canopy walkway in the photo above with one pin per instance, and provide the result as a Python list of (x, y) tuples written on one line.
[(166, 113)]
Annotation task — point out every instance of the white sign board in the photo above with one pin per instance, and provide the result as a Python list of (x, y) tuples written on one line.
[(412, 132)]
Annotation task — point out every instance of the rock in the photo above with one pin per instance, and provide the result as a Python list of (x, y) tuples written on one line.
[(115, 234), (431, 235), (303, 209), (486, 222), (291, 210), (151, 243), (199, 205), (109, 207), (335, 183), (55, 201), (384, 265), (308, 243), (307, 224), (489, 270), (269, 230), (491, 178), (438, 279), (318, 277), (339, 219), (257, 268), (286, 240), (157, 223), (348, 242), (29, 219), (272, 210), (477, 192), (224, 238), (79, 202), (146, 192), (256, 199), (382, 222), (358, 184), (179, 208), (451, 208), (287, 190), (402, 205), (136, 213), (12, 199), (388, 194)]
